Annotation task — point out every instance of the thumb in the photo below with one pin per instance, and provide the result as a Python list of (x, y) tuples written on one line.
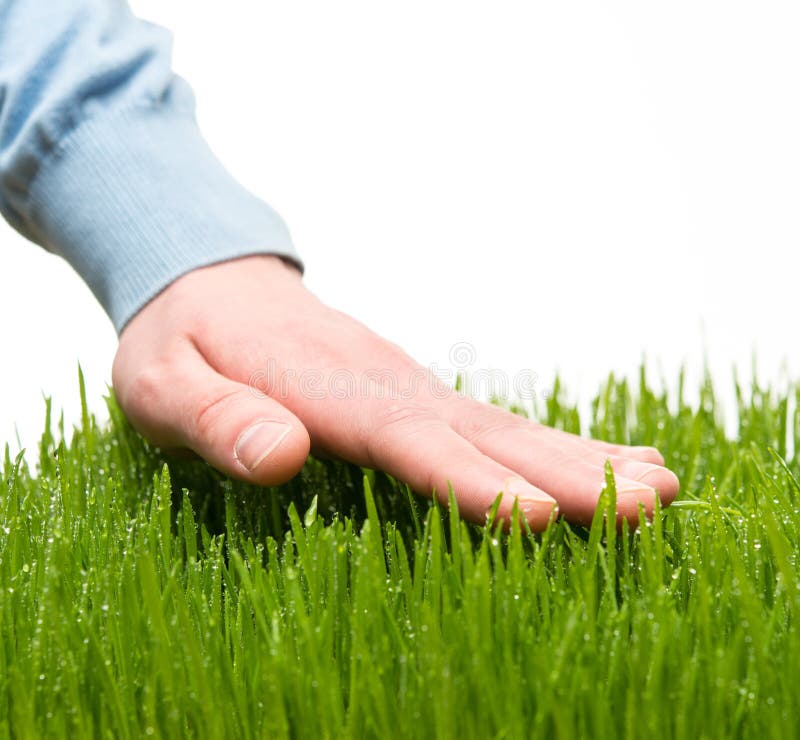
[(238, 430)]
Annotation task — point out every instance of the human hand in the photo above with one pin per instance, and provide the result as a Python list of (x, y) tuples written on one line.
[(241, 364)]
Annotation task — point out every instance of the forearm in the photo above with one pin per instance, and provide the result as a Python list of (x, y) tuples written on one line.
[(101, 160)]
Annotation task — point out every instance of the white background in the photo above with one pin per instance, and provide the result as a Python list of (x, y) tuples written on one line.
[(562, 185)]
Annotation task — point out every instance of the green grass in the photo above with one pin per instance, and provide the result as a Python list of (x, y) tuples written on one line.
[(137, 599)]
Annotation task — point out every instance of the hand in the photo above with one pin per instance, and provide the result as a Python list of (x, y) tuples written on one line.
[(241, 364)]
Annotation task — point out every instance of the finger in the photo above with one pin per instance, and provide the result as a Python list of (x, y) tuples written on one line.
[(480, 415), (478, 421), (415, 445), (643, 453), (571, 472), (243, 434)]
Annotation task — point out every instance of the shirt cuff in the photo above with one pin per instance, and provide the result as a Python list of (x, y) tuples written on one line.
[(135, 199)]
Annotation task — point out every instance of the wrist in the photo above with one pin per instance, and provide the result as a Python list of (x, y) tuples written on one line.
[(137, 199)]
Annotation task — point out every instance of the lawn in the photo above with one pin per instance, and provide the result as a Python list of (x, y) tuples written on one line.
[(140, 598)]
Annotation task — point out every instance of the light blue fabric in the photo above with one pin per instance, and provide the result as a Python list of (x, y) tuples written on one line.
[(101, 160)]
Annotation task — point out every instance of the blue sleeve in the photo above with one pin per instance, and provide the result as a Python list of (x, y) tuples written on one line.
[(101, 160)]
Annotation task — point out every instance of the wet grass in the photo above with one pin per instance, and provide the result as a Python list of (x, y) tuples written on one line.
[(140, 599)]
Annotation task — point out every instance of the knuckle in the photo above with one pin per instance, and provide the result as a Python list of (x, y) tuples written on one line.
[(392, 423), (479, 422), (476, 431), (144, 388), (393, 416), (205, 417)]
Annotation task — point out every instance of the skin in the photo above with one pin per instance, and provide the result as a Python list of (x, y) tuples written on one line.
[(242, 365)]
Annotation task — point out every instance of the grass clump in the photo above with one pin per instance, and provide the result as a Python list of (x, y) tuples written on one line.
[(138, 598)]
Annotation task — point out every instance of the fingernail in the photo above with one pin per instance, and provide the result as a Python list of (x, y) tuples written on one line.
[(530, 500), (634, 491), (258, 441), (660, 478)]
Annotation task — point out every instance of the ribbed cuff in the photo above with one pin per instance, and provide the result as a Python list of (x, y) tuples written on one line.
[(136, 199)]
